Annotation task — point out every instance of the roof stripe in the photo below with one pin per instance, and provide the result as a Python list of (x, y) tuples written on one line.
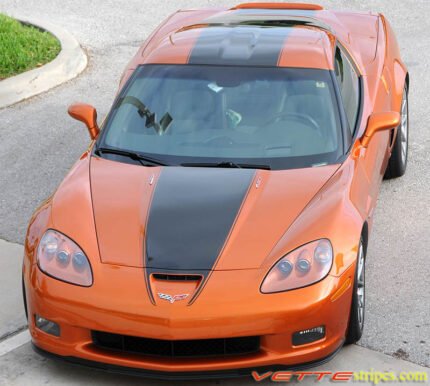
[(239, 45)]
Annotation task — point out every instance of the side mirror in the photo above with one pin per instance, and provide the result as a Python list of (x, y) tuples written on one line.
[(86, 114), (378, 122)]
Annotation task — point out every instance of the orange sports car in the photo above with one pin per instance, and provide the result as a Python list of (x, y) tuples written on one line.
[(219, 220)]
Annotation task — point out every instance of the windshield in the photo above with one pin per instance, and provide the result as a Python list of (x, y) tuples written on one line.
[(187, 114)]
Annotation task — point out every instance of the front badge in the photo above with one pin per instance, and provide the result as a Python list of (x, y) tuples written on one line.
[(172, 298)]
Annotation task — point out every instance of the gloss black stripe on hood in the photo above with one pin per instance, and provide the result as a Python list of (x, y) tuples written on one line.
[(239, 45), (191, 214)]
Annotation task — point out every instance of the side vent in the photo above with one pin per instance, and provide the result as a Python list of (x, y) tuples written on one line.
[(301, 6)]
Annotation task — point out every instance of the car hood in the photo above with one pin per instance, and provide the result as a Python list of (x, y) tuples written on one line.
[(195, 219)]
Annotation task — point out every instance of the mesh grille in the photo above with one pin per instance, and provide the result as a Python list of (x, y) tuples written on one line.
[(177, 348)]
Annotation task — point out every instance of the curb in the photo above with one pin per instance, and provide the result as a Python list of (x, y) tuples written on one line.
[(69, 63)]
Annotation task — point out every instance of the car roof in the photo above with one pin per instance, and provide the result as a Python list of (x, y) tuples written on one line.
[(241, 36), (262, 34)]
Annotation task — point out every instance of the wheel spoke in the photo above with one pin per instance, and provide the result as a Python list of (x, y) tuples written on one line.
[(404, 129), (360, 262), (360, 317), (360, 286)]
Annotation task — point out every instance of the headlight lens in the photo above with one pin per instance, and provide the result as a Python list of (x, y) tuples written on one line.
[(60, 257), (303, 266)]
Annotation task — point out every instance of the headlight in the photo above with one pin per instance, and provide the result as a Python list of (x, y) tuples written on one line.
[(303, 266), (61, 258)]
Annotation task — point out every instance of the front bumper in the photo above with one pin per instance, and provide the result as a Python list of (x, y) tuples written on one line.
[(229, 306), (178, 376)]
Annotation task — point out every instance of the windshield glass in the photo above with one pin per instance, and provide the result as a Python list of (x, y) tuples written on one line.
[(186, 114)]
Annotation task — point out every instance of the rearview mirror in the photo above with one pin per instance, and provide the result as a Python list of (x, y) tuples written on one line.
[(378, 122), (86, 114)]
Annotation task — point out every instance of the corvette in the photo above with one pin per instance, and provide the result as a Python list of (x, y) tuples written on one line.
[(218, 223)]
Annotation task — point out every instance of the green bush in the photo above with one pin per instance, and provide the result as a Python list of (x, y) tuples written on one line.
[(24, 47)]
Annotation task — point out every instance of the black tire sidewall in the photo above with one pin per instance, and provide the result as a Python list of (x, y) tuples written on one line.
[(396, 167), (355, 331)]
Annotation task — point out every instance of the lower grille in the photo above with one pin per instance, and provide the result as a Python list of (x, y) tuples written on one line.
[(177, 348)]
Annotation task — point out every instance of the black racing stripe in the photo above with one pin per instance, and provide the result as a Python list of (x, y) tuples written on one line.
[(191, 214), (239, 45)]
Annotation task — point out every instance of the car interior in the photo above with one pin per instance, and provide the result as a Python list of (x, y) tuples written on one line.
[(249, 118)]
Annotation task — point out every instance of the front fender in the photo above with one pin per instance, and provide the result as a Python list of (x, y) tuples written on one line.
[(330, 214)]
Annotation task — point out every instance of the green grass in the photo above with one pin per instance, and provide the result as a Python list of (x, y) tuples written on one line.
[(23, 47)]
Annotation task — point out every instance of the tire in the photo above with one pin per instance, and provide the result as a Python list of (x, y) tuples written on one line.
[(356, 316), (399, 157), (24, 298)]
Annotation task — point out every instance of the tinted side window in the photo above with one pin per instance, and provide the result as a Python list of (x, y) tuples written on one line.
[(349, 86)]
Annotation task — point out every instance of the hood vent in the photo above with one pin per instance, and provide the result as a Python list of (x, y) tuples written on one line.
[(168, 277)]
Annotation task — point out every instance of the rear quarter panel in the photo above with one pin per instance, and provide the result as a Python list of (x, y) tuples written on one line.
[(395, 68), (374, 45)]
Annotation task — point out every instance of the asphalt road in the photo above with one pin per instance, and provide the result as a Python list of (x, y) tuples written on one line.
[(39, 143)]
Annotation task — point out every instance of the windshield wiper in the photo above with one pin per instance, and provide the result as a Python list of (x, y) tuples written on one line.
[(144, 160), (143, 111), (225, 164)]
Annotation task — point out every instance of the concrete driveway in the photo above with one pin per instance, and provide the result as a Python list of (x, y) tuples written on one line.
[(39, 143)]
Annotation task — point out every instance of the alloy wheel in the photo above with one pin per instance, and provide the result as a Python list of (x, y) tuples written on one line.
[(360, 286), (404, 128)]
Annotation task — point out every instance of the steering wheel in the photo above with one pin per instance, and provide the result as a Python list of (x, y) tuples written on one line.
[(307, 119)]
